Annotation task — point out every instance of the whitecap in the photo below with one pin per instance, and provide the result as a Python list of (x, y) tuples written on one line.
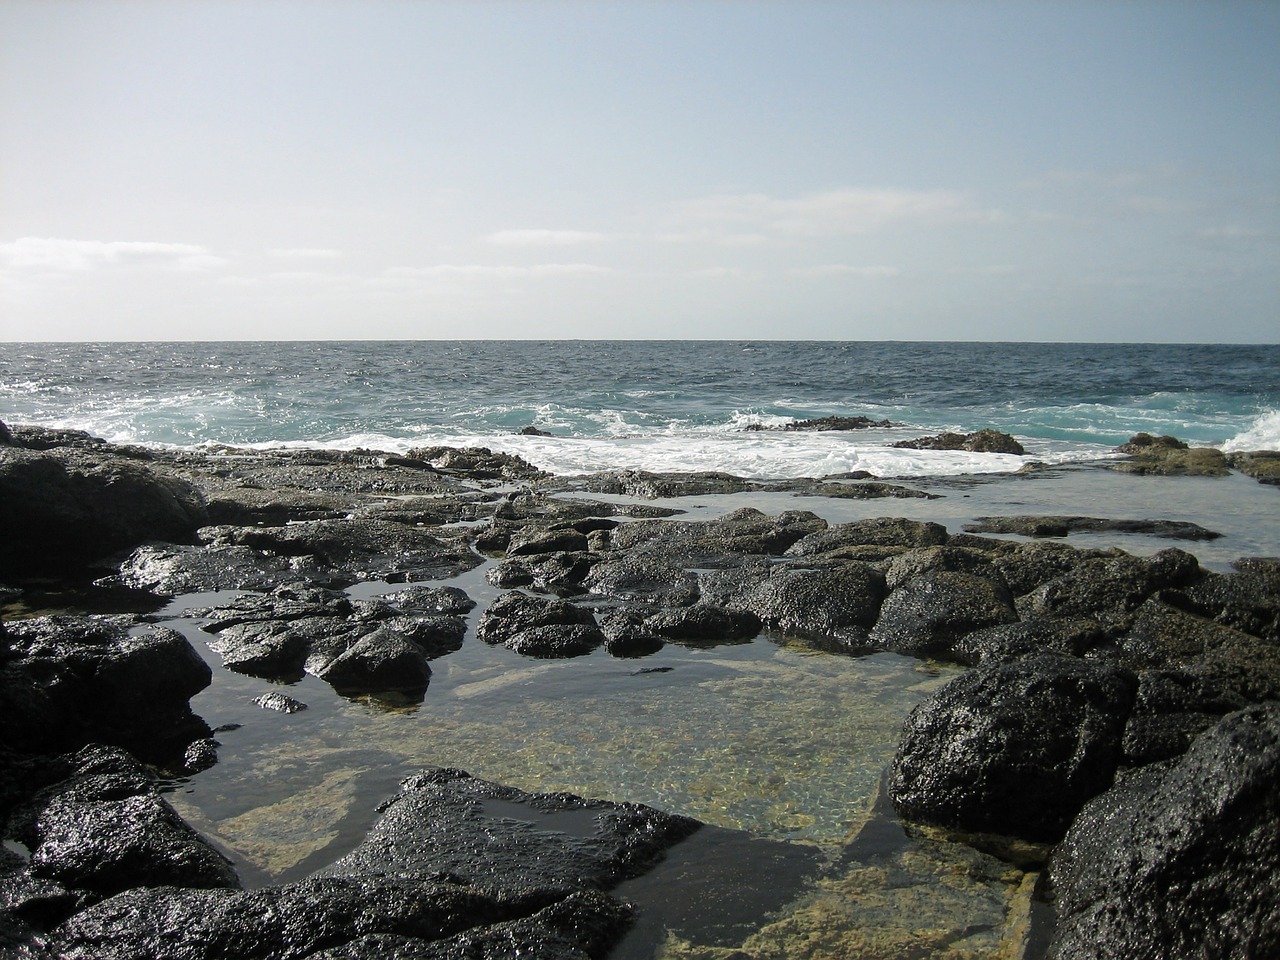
[(1262, 434)]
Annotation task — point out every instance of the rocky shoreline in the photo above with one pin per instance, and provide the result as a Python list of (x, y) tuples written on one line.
[(1119, 722)]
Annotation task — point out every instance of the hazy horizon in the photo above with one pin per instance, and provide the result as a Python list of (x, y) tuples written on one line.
[(1041, 172)]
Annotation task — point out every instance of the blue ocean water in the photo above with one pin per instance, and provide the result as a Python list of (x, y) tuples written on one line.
[(656, 405)]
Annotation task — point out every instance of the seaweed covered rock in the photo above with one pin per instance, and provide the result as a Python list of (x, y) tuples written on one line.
[(67, 681), (1169, 456), (980, 441), (1181, 859), (62, 508), (1013, 749)]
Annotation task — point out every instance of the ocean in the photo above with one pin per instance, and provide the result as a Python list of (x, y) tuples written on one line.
[(661, 406)]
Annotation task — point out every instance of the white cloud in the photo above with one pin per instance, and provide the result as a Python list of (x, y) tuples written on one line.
[(305, 253), (847, 270), (57, 255), (825, 214), (545, 238), (499, 272)]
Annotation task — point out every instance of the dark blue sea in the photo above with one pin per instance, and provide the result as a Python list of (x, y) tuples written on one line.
[(669, 405)]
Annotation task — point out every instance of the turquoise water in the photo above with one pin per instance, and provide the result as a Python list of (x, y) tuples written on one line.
[(1067, 399)]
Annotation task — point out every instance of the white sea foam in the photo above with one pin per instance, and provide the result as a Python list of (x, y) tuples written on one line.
[(763, 455), (1263, 434)]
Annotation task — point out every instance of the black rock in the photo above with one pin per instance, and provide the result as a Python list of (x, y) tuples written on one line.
[(1061, 526), (840, 602), (1180, 860), (927, 615), (106, 828), (879, 531), (540, 627), (67, 681), (62, 508), (279, 702), (701, 624), (1014, 749), (980, 441), (1076, 638)]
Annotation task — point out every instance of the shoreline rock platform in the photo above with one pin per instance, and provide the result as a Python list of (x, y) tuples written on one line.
[(1120, 715)]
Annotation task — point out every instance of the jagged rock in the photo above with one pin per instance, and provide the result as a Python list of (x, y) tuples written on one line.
[(279, 702), (1076, 638), (381, 661), (540, 627), (560, 573), (370, 646), (927, 615), (1262, 465), (355, 549), (169, 570), (1013, 749), (626, 634), (1172, 708), (880, 532), (630, 576), (653, 486), (106, 828), (531, 540), (1180, 860), (1109, 588), (477, 463), (67, 681), (1168, 456), (1248, 600), (980, 441), (955, 559), (837, 423), (840, 602), (701, 624), (64, 507)]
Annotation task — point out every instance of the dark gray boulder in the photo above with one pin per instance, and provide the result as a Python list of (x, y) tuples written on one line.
[(355, 549), (65, 507), (1173, 707), (1110, 588), (540, 626), (879, 531), (642, 575), (1180, 859), (927, 615), (106, 828), (172, 569), (1076, 638), (1061, 526), (1248, 600), (533, 539), (701, 624), (1014, 749), (839, 602), (980, 441), (380, 661), (380, 645), (67, 681), (445, 822)]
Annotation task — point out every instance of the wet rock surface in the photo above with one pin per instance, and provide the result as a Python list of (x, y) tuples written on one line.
[(1057, 526), (1016, 748), (1102, 682), (67, 680), (980, 441), (1180, 859)]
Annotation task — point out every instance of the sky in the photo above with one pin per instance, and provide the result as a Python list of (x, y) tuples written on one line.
[(441, 169)]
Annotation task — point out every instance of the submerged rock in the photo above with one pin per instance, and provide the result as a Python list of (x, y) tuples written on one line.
[(840, 602), (1061, 526), (1014, 749), (1180, 860)]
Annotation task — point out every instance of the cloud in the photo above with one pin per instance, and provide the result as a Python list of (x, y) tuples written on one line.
[(826, 214), (498, 272), (56, 255), (545, 238), (846, 270), (305, 253)]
